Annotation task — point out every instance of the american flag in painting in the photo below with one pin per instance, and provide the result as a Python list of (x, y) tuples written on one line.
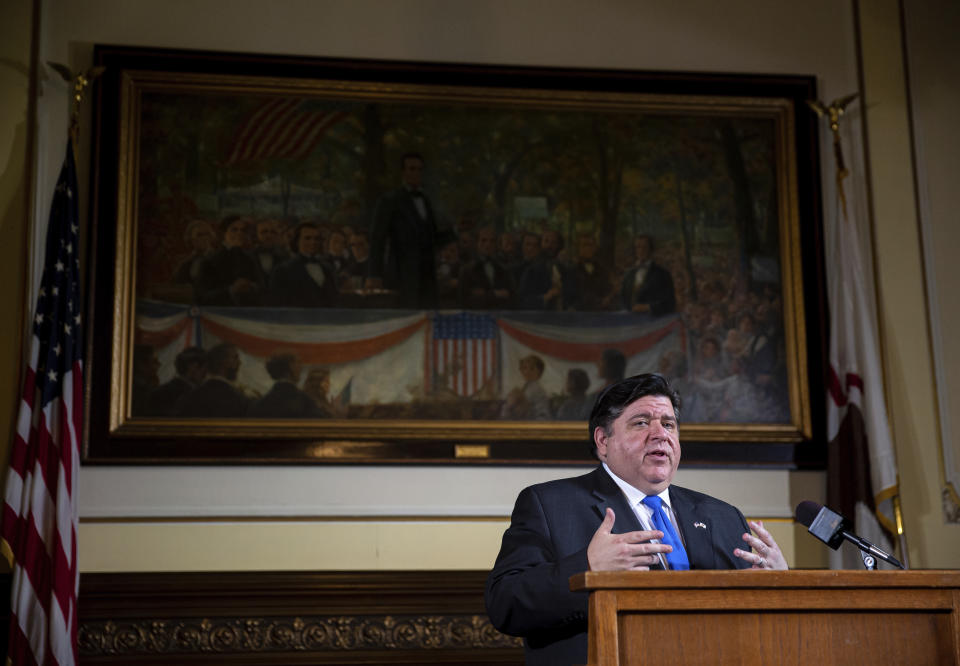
[(464, 353), (281, 128), (39, 525)]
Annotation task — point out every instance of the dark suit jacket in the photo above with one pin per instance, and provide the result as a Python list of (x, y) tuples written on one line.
[(528, 593), (473, 276), (285, 400), (215, 397), (292, 286), (218, 271), (403, 249), (537, 280), (656, 290), (164, 399)]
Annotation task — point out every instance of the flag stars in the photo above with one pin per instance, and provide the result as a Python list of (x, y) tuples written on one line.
[(76, 319), (56, 291), (57, 349), (39, 318), (60, 267), (52, 375), (67, 329)]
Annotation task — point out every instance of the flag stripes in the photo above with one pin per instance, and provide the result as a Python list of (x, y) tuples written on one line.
[(38, 528), (281, 128)]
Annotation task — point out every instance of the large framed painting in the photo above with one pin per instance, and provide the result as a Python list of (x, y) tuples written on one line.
[(344, 261)]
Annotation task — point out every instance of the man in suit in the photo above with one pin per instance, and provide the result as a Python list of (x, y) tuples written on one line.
[(622, 516), (305, 280), (546, 284), (191, 366), (285, 400), (218, 396), (405, 240), (484, 283), (229, 275), (647, 286)]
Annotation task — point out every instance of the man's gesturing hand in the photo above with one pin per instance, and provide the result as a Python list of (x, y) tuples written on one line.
[(621, 552), (766, 553)]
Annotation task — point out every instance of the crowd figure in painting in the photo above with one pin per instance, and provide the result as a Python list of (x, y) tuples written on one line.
[(205, 385), (404, 257)]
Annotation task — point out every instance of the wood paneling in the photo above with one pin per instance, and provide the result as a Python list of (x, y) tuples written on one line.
[(767, 617), (290, 618)]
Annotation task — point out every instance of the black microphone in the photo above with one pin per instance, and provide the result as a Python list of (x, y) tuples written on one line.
[(832, 528)]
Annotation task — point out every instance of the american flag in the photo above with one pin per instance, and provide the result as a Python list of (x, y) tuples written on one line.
[(464, 353), (39, 525), (282, 128)]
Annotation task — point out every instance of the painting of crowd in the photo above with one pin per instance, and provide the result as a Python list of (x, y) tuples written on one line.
[(245, 261), (670, 228)]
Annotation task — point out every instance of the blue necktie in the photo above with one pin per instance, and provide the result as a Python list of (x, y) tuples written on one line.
[(677, 559)]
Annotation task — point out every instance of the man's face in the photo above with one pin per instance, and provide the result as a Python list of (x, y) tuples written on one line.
[(203, 237), (317, 384), (267, 234), (236, 234), (412, 173), (309, 243), (641, 248), (643, 447), (486, 243), (551, 243), (232, 366), (530, 247), (586, 248), (359, 247), (335, 244), (529, 370)]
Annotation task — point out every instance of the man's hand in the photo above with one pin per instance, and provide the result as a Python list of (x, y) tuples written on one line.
[(767, 555), (623, 552)]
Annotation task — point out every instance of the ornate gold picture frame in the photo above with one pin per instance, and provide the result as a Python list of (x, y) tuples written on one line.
[(256, 233)]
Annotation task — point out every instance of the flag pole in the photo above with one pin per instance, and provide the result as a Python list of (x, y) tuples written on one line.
[(80, 81), (834, 111)]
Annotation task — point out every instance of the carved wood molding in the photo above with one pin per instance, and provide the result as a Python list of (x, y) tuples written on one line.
[(289, 618)]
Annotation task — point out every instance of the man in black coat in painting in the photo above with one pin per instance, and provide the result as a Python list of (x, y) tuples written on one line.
[(284, 400), (647, 286), (217, 396), (405, 240), (191, 366), (229, 275), (485, 284), (306, 280)]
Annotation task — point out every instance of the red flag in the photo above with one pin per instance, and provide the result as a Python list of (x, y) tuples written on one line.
[(282, 127), (38, 533), (863, 470)]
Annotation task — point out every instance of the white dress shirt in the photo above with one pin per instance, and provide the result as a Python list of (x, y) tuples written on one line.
[(643, 512)]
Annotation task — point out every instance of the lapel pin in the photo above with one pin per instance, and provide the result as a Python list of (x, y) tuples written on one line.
[(700, 525)]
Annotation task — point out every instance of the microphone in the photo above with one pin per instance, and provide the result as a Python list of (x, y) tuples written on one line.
[(832, 528)]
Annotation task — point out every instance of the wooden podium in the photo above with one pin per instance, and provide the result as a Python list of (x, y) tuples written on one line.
[(773, 617)]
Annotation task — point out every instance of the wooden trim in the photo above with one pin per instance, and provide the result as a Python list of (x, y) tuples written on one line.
[(365, 617)]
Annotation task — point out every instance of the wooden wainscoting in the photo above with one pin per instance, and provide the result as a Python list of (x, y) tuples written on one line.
[(279, 618)]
